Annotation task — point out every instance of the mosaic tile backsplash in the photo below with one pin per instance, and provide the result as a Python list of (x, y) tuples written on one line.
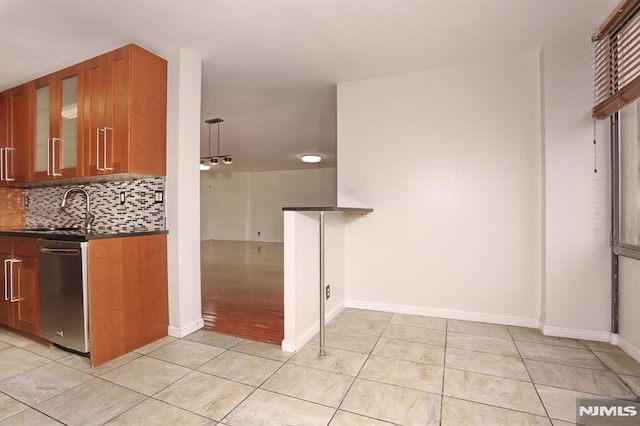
[(143, 207)]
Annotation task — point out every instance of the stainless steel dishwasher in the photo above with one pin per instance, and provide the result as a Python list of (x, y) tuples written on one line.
[(63, 293)]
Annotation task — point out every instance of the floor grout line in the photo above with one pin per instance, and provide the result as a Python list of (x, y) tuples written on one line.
[(535, 388), (368, 356), (444, 368)]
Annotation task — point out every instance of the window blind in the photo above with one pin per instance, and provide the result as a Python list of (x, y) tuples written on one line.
[(617, 60)]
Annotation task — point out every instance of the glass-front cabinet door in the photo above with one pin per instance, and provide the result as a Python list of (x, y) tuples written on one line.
[(43, 130), (69, 122), (57, 135)]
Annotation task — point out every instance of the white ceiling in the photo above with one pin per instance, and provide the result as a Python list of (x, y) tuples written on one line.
[(270, 66)]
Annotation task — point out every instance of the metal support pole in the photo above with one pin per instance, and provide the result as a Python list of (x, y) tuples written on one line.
[(615, 216), (614, 294), (322, 351)]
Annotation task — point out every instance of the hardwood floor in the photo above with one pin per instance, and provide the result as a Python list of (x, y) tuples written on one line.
[(243, 289)]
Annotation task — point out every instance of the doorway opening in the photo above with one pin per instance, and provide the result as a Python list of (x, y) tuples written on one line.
[(242, 245), (243, 289)]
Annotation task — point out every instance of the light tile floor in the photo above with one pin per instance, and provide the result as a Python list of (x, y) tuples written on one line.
[(382, 369)]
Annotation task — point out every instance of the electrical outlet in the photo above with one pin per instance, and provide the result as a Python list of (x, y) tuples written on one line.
[(258, 233), (327, 291), (123, 197), (158, 197)]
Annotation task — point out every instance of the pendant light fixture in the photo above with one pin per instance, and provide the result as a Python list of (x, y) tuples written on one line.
[(213, 160)]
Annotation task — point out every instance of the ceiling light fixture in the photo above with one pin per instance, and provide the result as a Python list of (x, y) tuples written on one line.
[(213, 160), (204, 165), (311, 158)]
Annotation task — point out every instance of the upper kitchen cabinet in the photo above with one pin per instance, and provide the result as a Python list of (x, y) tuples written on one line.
[(15, 134), (125, 113), (105, 115), (58, 143)]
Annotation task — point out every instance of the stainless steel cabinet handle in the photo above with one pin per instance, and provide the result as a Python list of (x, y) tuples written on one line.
[(61, 154), (104, 167), (6, 164), (18, 261), (53, 157), (104, 145), (1, 164), (48, 157), (6, 278), (98, 148), (105, 149)]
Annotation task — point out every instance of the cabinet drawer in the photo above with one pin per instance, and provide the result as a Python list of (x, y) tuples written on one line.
[(24, 246)]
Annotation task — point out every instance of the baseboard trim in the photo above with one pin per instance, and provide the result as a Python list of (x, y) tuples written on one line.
[(629, 348), (243, 240), (293, 345), (445, 313), (288, 345), (186, 330), (577, 333)]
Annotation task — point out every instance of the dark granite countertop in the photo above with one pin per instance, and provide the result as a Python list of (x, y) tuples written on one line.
[(78, 234), (329, 209)]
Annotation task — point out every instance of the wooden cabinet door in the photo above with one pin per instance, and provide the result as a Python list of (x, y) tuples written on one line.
[(118, 102), (20, 137), (7, 308), (58, 133), (94, 118), (4, 135), (26, 281), (4, 118), (148, 115), (126, 120), (28, 315), (107, 112)]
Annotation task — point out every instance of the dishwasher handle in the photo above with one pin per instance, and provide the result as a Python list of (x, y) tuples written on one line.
[(65, 251)]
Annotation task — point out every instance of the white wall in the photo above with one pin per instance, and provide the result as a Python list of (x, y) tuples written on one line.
[(302, 276), (236, 206), (628, 313), (577, 256), (183, 134), (224, 203), (457, 217)]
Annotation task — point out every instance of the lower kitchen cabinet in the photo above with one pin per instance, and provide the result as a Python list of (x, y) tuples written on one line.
[(128, 294), (127, 291), (28, 314), (20, 301)]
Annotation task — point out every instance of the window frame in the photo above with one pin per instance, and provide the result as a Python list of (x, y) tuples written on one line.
[(619, 248)]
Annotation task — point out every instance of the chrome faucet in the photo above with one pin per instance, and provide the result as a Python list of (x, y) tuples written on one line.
[(89, 218)]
